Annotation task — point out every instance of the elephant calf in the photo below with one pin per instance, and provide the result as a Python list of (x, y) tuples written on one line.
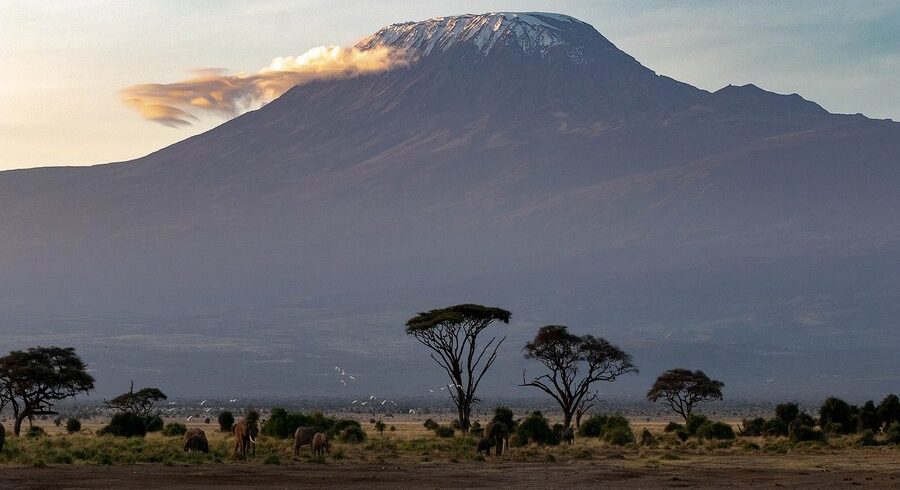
[(320, 444), (195, 440), (484, 446), (302, 437)]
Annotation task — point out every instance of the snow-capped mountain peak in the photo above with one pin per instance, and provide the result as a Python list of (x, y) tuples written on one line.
[(533, 32)]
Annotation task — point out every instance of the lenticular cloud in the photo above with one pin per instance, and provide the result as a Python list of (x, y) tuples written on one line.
[(227, 95)]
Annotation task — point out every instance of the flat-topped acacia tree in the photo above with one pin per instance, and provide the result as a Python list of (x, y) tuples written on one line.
[(452, 334), (573, 365), (683, 389)]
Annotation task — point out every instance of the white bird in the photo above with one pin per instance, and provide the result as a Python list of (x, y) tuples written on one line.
[(372, 397), (355, 402), (412, 411), (351, 377), (169, 409), (171, 403), (203, 402), (233, 400), (189, 418), (392, 403), (383, 401), (337, 368), (363, 403), (208, 409), (343, 382), (442, 388), (430, 390)]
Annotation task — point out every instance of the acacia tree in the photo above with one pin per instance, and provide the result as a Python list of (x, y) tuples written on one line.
[(683, 389), (574, 364), (140, 403), (452, 335), (37, 377)]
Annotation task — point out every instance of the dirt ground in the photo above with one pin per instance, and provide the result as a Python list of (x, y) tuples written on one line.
[(875, 468)]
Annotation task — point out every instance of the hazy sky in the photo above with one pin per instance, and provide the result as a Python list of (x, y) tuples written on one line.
[(62, 63)]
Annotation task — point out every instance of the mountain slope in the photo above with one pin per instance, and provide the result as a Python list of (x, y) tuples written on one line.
[(521, 160)]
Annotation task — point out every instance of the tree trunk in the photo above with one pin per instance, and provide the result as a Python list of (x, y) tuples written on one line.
[(567, 418), (18, 426)]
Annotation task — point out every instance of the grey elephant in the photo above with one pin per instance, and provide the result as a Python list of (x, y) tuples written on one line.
[(484, 446), (195, 440), (498, 434), (303, 436), (320, 444)]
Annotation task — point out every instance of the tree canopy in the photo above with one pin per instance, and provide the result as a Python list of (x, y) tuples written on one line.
[(683, 389), (139, 403), (35, 378), (452, 336), (574, 364)]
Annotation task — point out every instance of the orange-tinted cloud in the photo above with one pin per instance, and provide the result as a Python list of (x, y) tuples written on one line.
[(213, 91)]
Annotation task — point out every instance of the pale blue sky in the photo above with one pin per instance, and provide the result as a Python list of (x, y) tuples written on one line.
[(62, 62)]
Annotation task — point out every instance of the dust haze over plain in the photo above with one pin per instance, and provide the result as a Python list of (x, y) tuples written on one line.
[(521, 161)]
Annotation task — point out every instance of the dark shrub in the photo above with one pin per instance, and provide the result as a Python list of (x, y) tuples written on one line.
[(753, 427), (505, 415), (673, 427), (889, 410), (34, 431), (380, 427), (806, 419), (226, 421), (787, 412), (694, 422), (282, 423), (593, 426), (430, 424), (867, 418), (73, 425), (647, 438), (618, 435), (775, 427), (153, 423), (455, 424), (867, 438), (715, 430), (444, 431), (801, 433), (126, 424), (340, 425), (353, 434), (835, 416), (682, 434), (893, 433), (173, 429), (535, 428)]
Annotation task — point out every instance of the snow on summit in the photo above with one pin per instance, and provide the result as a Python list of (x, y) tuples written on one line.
[(533, 32)]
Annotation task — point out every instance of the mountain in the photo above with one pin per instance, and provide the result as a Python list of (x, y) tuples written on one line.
[(521, 161)]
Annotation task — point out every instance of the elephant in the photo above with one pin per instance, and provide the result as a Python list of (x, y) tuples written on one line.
[(568, 435), (320, 444), (245, 433), (2, 436), (302, 437), (484, 446), (498, 434), (195, 440)]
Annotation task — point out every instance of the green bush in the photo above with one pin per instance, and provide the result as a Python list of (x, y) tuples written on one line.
[(455, 424), (803, 433), (380, 427), (867, 418), (593, 426), (444, 431), (282, 423), (694, 422), (673, 427), (226, 421), (889, 410), (618, 435), (535, 428), (352, 434), (73, 425), (775, 427), (430, 424), (753, 427), (715, 430), (126, 424), (153, 423), (867, 439), (836, 416), (893, 433), (787, 412), (34, 431), (505, 415), (173, 429)]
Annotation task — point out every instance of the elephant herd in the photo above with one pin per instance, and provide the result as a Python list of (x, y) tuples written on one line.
[(245, 433)]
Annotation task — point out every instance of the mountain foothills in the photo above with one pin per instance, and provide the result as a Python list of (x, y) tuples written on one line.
[(519, 160)]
